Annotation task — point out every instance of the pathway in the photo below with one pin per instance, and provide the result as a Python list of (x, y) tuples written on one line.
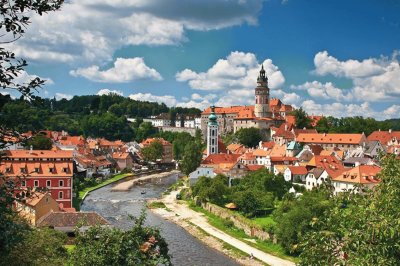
[(198, 219)]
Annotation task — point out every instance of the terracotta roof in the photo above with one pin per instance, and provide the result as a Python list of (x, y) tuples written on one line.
[(120, 155), (255, 167), (246, 114), (280, 168), (290, 119), (228, 110), (29, 168), (283, 159), (315, 119), (72, 141), (221, 146), (304, 131), (330, 163), (148, 141), (221, 158), (330, 138), (278, 151), (35, 198), (298, 170), (54, 154), (68, 219), (286, 108), (268, 144), (384, 136), (261, 152), (236, 148), (248, 156), (275, 102), (363, 174)]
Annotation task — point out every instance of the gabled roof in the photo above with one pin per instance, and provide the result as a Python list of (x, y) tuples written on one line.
[(38, 154), (317, 172), (148, 141), (236, 148), (228, 110), (298, 131), (268, 144), (254, 167), (261, 152), (330, 163), (330, 138), (221, 158), (298, 170), (384, 136), (363, 174)]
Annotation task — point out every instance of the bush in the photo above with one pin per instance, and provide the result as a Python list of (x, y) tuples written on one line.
[(228, 223)]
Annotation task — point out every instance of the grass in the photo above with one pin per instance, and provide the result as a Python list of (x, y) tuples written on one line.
[(220, 223), (156, 205), (264, 221), (77, 201), (69, 248)]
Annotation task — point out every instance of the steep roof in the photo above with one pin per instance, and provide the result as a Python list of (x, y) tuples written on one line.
[(298, 170), (330, 138), (255, 167), (317, 172), (228, 110), (268, 144), (330, 163), (148, 141), (221, 158), (384, 136), (363, 174)]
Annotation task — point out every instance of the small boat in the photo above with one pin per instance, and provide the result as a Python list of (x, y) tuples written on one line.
[(143, 192)]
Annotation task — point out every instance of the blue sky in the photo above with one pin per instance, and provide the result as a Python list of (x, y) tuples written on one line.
[(330, 57)]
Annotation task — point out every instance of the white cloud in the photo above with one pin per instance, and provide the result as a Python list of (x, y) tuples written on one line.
[(92, 30), (287, 98), (169, 100), (392, 111), (374, 79), (326, 90), (237, 72), (60, 96), (124, 70), (24, 78), (108, 92)]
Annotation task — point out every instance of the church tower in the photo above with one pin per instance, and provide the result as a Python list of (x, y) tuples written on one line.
[(212, 133), (261, 108)]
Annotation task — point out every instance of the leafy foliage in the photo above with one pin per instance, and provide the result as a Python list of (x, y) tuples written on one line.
[(250, 137), (111, 246), (153, 151), (40, 142), (191, 157), (302, 119), (360, 229)]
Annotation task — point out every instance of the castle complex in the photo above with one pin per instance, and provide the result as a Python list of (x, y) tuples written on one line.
[(265, 113)]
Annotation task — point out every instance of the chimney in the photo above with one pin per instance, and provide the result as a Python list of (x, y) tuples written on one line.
[(285, 127), (390, 130), (30, 149)]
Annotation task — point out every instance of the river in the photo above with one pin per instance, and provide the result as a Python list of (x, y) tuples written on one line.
[(183, 247)]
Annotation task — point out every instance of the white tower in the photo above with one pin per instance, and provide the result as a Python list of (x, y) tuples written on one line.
[(212, 133), (261, 108)]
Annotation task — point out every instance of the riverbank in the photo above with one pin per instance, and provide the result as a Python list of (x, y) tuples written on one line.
[(127, 185), (83, 193), (193, 222)]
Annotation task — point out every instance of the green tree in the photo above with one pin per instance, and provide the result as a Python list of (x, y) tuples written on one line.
[(153, 151), (191, 158), (295, 215), (302, 119), (40, 142), (139, 245), (247, 201), (360, 229), (250, 137)]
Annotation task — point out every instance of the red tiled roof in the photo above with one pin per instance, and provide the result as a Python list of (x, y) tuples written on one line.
[(298, 170), (148, 141), (363, 174), (384, 136), (221, 158), (254, 167), (38, 154), (330, 138), (268, 144), (228, 110)]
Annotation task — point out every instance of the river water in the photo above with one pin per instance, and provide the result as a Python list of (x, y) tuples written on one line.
[(116, 206)]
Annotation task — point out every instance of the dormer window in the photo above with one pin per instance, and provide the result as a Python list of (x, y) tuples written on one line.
[(8, 169), (23, 170), (51, 169), (36, 170), (65, 169)]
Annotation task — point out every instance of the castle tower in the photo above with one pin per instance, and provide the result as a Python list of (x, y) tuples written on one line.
[(261, 108), (212, 133)]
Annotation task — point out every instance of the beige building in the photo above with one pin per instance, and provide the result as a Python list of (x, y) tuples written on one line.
[(36, 206)]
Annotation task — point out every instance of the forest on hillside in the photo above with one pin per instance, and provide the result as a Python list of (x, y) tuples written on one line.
[(88, 115)]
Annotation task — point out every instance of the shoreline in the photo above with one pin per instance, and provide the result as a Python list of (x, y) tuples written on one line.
[(209, 240)]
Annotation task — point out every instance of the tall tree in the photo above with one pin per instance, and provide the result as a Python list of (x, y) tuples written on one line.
[(153, 151), (191, 158), (250, 137), (40, 142), (302, 119)]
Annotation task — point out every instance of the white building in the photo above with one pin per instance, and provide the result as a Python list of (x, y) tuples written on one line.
[(200, 171), (295, 174), (212, 133), (316, 177), (364, 175)]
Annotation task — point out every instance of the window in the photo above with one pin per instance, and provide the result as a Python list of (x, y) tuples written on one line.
[(65, 169), (61, 183), (8, 169), (60, 195), (36, 170), (51, 170), (23, 170), (36, 183), (48, 183), (23, 183)]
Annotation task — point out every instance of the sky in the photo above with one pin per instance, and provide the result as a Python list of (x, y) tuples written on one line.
[(332, 57)]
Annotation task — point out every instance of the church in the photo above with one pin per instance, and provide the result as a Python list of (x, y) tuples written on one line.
[(265, 113)]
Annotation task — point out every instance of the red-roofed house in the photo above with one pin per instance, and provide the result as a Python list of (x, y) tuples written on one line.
[(42, 168), (295, 174), (365, 175), (167, 148), (387, 138), (331, 141), (123, 160)]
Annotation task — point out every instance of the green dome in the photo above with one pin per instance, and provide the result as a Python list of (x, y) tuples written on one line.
[(212, 118)]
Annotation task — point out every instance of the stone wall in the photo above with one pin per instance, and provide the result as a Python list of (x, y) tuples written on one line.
[(191, 131), (239, 222)]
